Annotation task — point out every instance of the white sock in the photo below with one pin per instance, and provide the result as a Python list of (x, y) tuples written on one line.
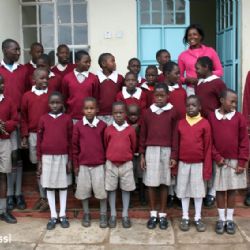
[(230, 212), (52, 203), (221, 212), (185, 208), (63, 199), (153, 213), (197, 205), (162, 215)]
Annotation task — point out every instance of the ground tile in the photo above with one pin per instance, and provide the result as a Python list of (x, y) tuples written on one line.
[(68, 247), (244, 227), (215, 247)]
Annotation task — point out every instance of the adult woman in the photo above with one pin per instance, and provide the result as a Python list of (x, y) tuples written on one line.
[(194, 36)]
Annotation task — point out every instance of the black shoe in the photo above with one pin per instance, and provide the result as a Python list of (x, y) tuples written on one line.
[(8, 218), (220, 227), (52, 223), (152, 222), (126, 223), (170, 201), (86, 220), (11, 202), (20, 202), (112, 222), (163, 223), (230, 227), (64, 222), (209, 201), (247, 200)]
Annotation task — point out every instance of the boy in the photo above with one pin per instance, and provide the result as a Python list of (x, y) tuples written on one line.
[(162, 57)]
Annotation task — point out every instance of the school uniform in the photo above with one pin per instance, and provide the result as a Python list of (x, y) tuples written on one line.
[(76, 86), (54, 137), (140, 80), (159, 143), (120, 143), (30, 69), (34, 105), (209, 91), (89, 159), (195, 157), (63, 70), (139, 98), (149, 91), (230, 141), (8, 114), (109, 87), (161, 77)]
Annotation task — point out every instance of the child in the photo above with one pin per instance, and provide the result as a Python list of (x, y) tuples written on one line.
[(133, 119), (8, 123), (195, 162), (132, 94), (134, 66), (208, 89), (89, 161), (79, 84), (54, 157), (64, 66), (162, 57), (34, 105), (148, 86), (158, 150), (120, 142), (110, 84), (230, 153)]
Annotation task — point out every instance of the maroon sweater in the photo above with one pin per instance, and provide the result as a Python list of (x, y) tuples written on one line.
[(8, 114), (195, 144), (54, 136), (88, 144), (30, 69), (149, 94), (230, 138), (70, 67), (16, 83), (120, 145), (161, 78), (159, 130), (75, 92), (32, 108), (209, 93), (108, 92)]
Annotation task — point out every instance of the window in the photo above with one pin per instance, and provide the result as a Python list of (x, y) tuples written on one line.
[(53, 22)]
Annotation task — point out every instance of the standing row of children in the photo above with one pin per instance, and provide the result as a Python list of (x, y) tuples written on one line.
[(165, 145)]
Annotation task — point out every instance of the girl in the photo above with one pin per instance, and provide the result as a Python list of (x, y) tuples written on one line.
[(195, 162), (230, 153), (158, 150), (134, 66), (162, 57), (54, 156)]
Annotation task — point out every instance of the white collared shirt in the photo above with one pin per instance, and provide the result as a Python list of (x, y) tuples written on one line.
[(139, 78), (93, 124), (120, 128), (60, 67), (145, 86), (102, 77), (208, 79), (1, 97), (136, 95), (32, 64), (227, 116), (55, 115), (51, 74), (159, 71), (159, 110), (173, 87), (14, 66), (81, 76), (39, 91)]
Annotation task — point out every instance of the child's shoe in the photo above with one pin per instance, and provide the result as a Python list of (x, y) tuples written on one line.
[(44, 205), (220, 227), (247, 200), (11, 202), (163, 223), (126, 223), (52, 223), (103, 223), (20, 202), (184, 225), (209, 201), (64, 222), (112, 221), (230, 227), (200, 225), (8, 218), (152, 222), (86, 220)]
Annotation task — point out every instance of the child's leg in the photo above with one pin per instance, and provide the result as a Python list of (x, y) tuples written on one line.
[(42, 191), (52, 203), (125, 203), (220, 200), (163, 197), (3, 187), (63, 201), (231, 194), (103, 206), (185, 208), (198, 205), (85, 206), (112, 201), (19, 176), (151, 195), (11, 179)]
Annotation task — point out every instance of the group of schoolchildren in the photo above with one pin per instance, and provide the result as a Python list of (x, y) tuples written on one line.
[(109, 130)]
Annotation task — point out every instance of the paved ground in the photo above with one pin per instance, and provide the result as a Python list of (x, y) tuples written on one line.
[(30, 233)]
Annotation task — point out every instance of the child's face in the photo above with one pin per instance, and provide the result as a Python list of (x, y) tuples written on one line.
[(55, 104), (134, 67), (163, 58), (12, 52), (36, 52), (41, 80), (90, 109), (63, 55), (151, 76), (133, 114), (84, 63), (229, 103), (193, 107), (160, 97), (130, 82), (1, 85), (40, 63), (110, 64), (174, 75), (201, 71), (119, 114)]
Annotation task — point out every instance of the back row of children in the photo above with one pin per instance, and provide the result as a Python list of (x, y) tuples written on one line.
[(163, 141)]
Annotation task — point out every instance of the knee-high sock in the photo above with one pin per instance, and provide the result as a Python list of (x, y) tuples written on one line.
[(2, 205), (103, 206), (125, 203), (52, 203), (197, 205), (19, 177), (42, 190), (63, 202), (11, 180), (185, 208), (112, 200), (85, 206)]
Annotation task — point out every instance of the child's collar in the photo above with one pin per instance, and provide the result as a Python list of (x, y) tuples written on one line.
[(93, 124), (193, 120), (159, 110), (13, 68), (1, 97), (227, 116), (113, 76), (120, 127), (208, 79), (136, 94), (39, 91)]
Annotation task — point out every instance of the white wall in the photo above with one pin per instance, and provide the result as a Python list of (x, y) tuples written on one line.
[(9, 25), (119, 18)]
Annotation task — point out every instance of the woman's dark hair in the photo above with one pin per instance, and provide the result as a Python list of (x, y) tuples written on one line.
[(168, 67), (190, 27)]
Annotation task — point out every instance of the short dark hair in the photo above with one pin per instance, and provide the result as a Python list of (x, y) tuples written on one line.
[(6, 43), (226, 91), (196, 97), (62, 46), (103, 57), (168, 67), (190, 27), (89, 99), (118, 103), (135, 106), (205, 61), (56, 93), (36, 44), (38, 70), (80, 53), (130, 73), (161, 86), (45, 58), (151, 67), (134, 59), (159, 52)]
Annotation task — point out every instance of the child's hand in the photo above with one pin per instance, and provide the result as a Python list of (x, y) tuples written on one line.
[(143, 162), (39, 169), (69, 167), (24, 142), (239, 170), (221, 163), (191, 80), (76, 171), (172, 163)]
